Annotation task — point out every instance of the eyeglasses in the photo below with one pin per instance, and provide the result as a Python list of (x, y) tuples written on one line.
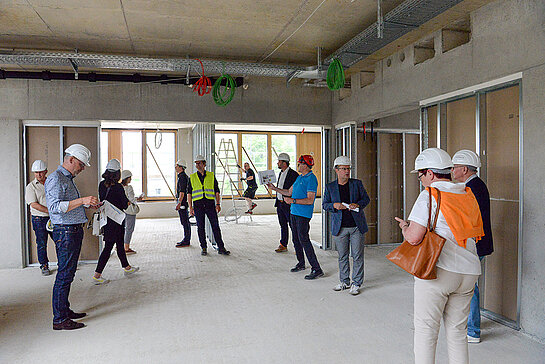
[(420, 175), (344, 168)]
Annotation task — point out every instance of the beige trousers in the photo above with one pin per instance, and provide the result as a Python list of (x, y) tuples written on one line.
[(448, 298)]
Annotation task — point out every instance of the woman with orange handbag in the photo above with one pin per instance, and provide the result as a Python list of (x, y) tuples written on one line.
[(448, 297)]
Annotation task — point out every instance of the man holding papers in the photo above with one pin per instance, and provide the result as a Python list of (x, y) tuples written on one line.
[(345, 198)]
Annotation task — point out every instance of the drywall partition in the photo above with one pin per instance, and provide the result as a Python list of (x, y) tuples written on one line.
[(42, 142), (431, 118), (390, 187), (461, 124), (501, 276), (411, 185), (367, 172)]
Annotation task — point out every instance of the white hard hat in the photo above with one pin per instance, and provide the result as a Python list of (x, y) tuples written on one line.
[(200, 157), (181, 163), (39, 166), (284, 157), (467, 158), (342, 161), (80, 152), (113, 165), (433, 158), (125, 174)]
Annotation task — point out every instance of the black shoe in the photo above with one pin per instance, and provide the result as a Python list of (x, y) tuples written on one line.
[(76, 315), (297, 268), (68, 325), (181, 244), (224, 251), (203, 251), (315, 274)]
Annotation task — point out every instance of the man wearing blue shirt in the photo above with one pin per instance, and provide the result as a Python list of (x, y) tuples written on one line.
[(303, 193), (67, 213)]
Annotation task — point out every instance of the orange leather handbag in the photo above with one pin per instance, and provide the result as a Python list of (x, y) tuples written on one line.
[(420, 260)]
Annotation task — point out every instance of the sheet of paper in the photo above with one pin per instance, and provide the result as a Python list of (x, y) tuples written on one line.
[(103, 218), (267, 176), (357, 209), (114, 213)]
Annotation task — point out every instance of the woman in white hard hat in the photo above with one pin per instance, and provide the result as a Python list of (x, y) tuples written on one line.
[(131, 211), (111, 190), (458, 267)]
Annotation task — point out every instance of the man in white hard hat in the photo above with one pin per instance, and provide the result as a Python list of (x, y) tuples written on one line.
[(345, 198), (67, 212), (181, 197), (466, 163), (203, 198), (286, 179), (35, 197)]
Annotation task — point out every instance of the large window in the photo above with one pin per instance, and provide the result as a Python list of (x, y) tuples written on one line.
[(227, 152), (255, 152), (132, 158), (284, 143), (131, 148)]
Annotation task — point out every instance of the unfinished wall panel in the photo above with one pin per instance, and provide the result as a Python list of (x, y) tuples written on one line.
[(311, 143), (86, 181), (367, 172), (502, 124), (461, 125), (42, 142), (390, 187), (412, 185)]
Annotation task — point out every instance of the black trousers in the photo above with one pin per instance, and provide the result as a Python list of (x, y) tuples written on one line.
[(283, 213), (105, 255), (184, 219), (300, 227), (209, 210)]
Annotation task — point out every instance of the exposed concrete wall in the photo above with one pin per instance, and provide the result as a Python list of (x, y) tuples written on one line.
[(404, 120), (267, 100), (10, 213), (533, 254), (508, 36)]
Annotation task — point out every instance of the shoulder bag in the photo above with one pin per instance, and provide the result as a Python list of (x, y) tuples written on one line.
[(419, 260)]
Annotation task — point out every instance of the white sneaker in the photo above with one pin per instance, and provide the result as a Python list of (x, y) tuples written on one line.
[(340, 287), (354, 290), (473, 340), (100, 280), (130, 271)]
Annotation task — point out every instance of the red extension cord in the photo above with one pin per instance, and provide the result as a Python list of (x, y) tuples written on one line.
[(203, 85)]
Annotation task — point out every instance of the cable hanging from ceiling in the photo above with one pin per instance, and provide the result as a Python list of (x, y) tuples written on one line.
[(218, 95), (203, 86), (335, 75)]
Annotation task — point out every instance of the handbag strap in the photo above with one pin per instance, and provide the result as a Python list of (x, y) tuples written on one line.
[(430, 227)]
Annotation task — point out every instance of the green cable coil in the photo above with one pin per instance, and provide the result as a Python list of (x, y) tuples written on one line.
[(335, 75), (218, 95)]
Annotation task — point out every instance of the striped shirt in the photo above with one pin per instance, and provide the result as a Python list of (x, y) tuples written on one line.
[(59, 191)]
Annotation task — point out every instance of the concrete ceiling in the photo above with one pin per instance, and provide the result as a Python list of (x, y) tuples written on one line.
[(245, 30), (242, 30)]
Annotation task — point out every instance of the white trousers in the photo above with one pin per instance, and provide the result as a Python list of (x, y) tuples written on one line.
[(448, 298)]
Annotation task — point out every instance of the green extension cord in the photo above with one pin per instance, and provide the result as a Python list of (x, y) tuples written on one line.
[(335, 75), (219, 97)]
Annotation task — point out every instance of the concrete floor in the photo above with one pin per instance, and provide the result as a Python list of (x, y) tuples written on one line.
[(245, 308)]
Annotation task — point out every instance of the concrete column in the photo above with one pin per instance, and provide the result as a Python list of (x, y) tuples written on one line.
[(11, 213)]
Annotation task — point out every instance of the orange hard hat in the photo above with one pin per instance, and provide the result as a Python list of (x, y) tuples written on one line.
[(306, 159)]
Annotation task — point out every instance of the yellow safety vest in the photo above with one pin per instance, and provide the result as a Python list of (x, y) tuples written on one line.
[(198, 190)]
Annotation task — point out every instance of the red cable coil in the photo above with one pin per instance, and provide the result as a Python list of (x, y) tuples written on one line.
[(203, 86)]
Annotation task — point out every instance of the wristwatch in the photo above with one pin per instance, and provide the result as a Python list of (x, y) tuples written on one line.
[(295, 200)]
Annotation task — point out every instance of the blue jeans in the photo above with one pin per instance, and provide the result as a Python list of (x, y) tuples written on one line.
[(474, 319), (350, 239), (300, 227), (38, 225), (68, 241)]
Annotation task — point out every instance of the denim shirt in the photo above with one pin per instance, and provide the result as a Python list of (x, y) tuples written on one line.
[(59, 191)]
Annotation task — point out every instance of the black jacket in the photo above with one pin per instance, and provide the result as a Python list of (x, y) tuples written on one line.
[(485, 246), (288, 182)]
